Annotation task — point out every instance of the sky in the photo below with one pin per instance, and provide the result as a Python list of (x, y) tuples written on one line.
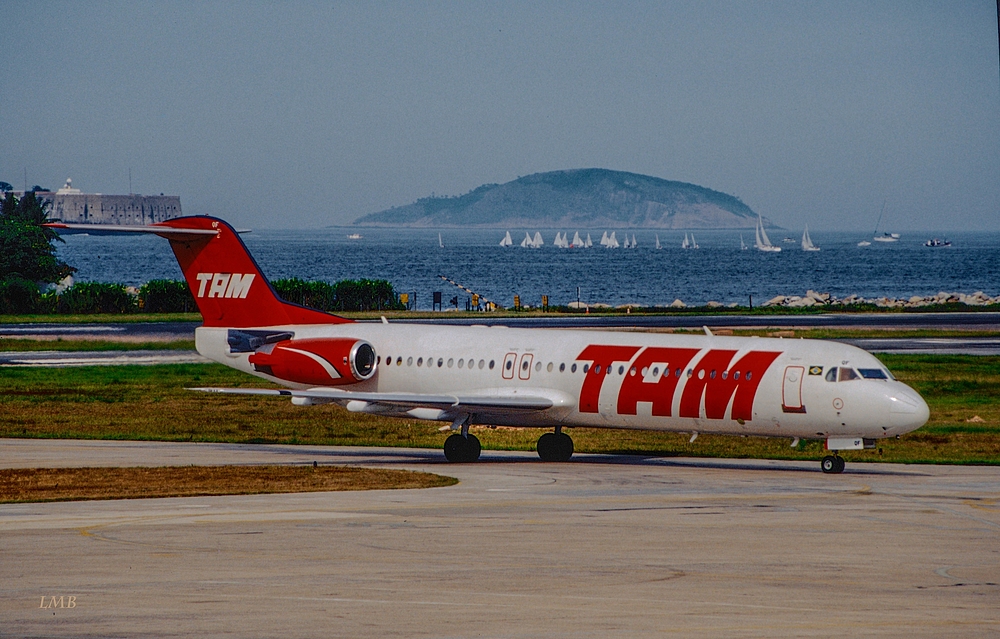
[(303, 114)]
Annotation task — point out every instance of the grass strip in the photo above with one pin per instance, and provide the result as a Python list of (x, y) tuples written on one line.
[(151, 403), (18, 344), (21, 485)]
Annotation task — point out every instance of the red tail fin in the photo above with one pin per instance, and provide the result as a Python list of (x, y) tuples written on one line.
[(226, 282)]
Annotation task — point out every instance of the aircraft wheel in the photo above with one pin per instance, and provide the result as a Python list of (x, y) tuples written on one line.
[(832, 464), (473, 448), (458, 449), (554, 447)]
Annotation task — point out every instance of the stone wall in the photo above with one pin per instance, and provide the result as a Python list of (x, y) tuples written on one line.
[(93, 208)]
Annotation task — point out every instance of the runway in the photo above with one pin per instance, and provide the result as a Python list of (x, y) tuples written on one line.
[(601, 546)]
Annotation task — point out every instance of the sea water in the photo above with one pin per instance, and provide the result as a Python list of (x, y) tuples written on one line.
[(413, 261)]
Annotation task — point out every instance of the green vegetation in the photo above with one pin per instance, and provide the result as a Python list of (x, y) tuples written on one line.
[(166, 296), (151, 403), (27, 256), (345, 295), (18, 344), (99, 318)]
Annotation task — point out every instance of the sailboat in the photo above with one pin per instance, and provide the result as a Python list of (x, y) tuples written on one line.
[(634, 244), (743, 245), (506, 241), (604, 239), (807, 243), (537, 242), (628, 243), (658, 247), (762, 242), (526, 242), (589, 243), (612, 241), (577, 241), (686, 243), (885, 237), (440, 241)]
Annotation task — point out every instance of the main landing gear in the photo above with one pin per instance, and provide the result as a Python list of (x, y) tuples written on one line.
[(462, 447), (555, 447), (833, 464)]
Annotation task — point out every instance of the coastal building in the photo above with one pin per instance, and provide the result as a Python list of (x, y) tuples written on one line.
[(72, 205)]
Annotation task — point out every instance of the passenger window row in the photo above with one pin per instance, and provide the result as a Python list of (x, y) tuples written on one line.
[(655, 373)]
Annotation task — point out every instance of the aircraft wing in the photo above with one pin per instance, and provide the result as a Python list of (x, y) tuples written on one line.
[(406, 401)]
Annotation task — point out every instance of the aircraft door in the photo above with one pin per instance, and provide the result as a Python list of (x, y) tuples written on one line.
[(509, 361), (791, 390), (524, 370)]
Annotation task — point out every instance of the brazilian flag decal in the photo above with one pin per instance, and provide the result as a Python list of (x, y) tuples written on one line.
[(815, 370)]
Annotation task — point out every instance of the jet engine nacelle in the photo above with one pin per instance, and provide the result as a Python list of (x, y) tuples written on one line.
[(319, 362)]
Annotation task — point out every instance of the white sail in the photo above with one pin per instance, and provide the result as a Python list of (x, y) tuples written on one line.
[(440, 241), (658, 247), (634, 244), (507, 241), (694, 242), (612, 241), (686, 243), (526, 242), (627, 244), (807, 243), (537, 242), (589, 243), (763, 243), (743, 245), (604, 239), (577, 241)]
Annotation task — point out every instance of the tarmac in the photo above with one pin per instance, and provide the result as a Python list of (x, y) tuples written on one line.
[(600, 546)]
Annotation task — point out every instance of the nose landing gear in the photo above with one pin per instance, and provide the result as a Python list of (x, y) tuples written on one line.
[(833, 464), (555, 447)]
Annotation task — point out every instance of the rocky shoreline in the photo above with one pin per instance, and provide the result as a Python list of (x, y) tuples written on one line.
[(812, 298)]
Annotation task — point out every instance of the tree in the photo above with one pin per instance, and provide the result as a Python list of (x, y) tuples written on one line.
[(26, 249)]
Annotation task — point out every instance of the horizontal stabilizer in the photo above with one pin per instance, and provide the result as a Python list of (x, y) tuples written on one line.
[(124, 229)]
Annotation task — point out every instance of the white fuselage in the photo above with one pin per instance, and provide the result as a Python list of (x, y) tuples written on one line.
[(681, 383)]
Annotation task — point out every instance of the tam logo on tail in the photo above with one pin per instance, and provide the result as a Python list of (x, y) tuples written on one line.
[(230, 285)]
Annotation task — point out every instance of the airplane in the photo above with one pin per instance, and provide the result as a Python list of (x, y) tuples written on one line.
[(478, 375)]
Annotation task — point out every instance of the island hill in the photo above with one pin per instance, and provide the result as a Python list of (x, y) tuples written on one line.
[(588, 198)]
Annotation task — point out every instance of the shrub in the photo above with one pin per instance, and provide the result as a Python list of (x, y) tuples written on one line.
[(166, 296), (318, 295), (96, 297), (346, 295), (365, 295), (19, 296)]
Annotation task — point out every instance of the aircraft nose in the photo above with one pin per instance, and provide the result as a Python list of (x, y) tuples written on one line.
[(907, 409)]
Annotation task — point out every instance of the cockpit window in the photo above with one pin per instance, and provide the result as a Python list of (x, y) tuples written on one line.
[(831, 375), (846, 374), (873, 373)]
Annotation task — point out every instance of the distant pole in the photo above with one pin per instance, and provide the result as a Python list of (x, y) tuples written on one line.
[(578, 288), (130, 171), (751, 297)]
